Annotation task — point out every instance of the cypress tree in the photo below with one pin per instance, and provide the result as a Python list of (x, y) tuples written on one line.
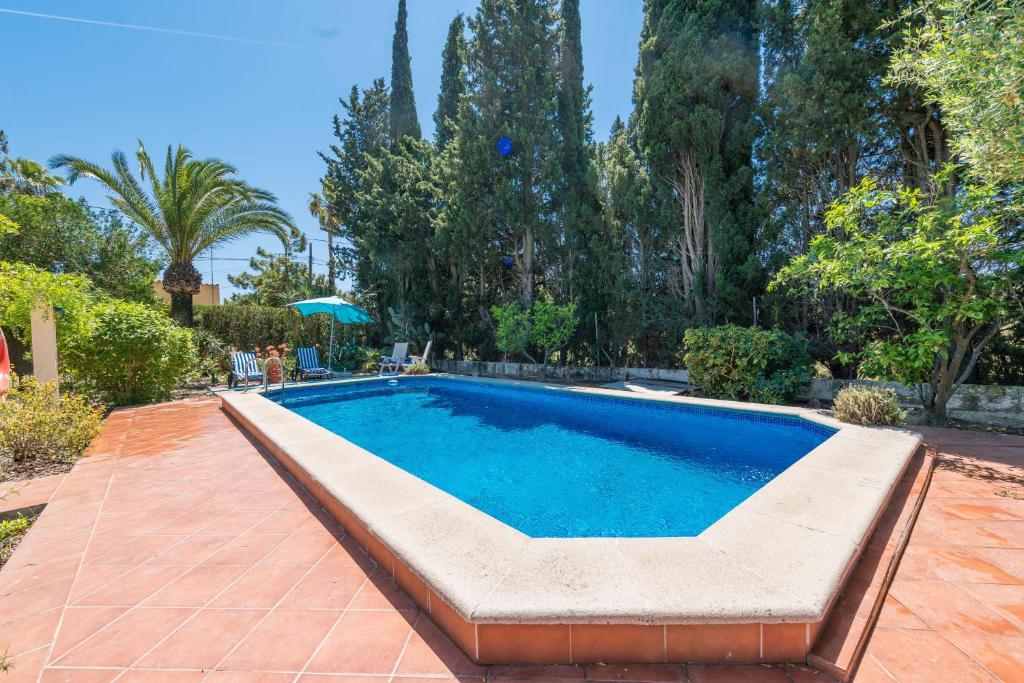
[(513, 80), (453, 82), (580, 264), (696, 90), (403, 119)]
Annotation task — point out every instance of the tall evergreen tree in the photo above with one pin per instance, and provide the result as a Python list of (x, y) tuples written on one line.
[(453, 82), (403, 119), (695, 93), (513, 93), (361, 132)]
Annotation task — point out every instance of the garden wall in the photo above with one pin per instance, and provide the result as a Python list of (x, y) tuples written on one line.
[(980, 403), (556, 373)]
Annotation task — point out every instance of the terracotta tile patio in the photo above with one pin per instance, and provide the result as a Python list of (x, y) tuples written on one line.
[(177, 551)]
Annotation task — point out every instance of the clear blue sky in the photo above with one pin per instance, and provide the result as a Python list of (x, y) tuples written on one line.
[(262, 102)]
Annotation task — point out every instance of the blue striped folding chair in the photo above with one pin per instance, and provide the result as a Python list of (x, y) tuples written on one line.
[(307, 363), (244, 368)]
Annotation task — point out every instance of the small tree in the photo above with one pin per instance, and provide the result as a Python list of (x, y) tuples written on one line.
[(937, 278), (545, 325)]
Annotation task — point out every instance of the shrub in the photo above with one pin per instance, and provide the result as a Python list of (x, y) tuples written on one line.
[(865, 405), (37, 423), (746, 363), (246, 326), (372, 361), (131, 354), (417, 368)]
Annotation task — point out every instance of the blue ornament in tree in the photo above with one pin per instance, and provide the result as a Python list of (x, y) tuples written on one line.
[(507, 262), (504, 145)]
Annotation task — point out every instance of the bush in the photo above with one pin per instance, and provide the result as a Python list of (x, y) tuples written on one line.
[(866, 405), (417, 368), (245, 326), (747, 364), (36, 423), (372, 361), (131, 354)]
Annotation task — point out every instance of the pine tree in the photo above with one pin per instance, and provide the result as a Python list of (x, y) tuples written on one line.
[(361, 132), (453, 82), (403, 119), (695, 93), (513, 92), (580, 266)]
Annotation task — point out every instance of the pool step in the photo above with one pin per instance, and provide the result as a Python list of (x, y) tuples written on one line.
[(839, 647)]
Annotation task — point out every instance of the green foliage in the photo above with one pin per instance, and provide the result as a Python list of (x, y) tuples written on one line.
[(453, 82), (65, 236), (967, 56), (402, 120), (276, 280), (747, 364), (371, 362), (417, 368), (21, 285), (130, 354), (38, 424), (938, 277), (198, 204), (545, 325), (695, 93), (11, 533), (244, 326), (866, 405)]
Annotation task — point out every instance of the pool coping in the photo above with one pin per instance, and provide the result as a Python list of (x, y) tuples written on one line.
[(777, 561)]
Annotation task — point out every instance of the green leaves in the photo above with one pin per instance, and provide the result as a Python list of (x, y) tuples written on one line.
[(546, 325)]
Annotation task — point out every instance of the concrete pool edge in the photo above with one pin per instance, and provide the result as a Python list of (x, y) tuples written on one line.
[(755, 586)]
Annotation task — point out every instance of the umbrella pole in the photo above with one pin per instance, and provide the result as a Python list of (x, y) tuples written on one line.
[(330, 349)]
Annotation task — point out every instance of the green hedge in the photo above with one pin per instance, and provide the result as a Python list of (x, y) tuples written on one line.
[(130, 354), (747, 364)]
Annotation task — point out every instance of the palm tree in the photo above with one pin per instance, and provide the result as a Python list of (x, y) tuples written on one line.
[(27, 177), (320, 208), (197, 205)]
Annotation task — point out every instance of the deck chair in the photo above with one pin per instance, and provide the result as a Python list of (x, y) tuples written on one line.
[(426, 354), (244, 368), (396, 360), (307, 364)]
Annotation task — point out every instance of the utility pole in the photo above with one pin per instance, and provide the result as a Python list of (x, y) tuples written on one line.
[(309, 272), (330, 251)]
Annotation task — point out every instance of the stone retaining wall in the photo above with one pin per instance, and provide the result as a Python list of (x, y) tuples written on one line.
[(981, 403), (557, 373)]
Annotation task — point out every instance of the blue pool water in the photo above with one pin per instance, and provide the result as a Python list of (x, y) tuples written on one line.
[(555, 464)]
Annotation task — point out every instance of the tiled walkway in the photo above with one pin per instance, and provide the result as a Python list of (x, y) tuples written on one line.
[(177, 552)]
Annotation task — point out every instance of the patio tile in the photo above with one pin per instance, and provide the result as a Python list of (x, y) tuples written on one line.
[(248, 677), (922, 656), (21, 604), (132, 587), (203, 641), (75, 675), (283, 642), (1007, 600), (944, 607), (304, 549), (247, 549), (326, 587), (1002, 656), (363, 643), (261, 586), (430, 651), (80, 623), (895, 615), (649, 673), (196, 586), (870, 671), (726, 673), (144, 676), (24, 635), (382, 593), (961, 565), (126, 639)]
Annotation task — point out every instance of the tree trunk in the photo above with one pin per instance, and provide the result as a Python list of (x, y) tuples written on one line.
[(936, 415), (181, 308)]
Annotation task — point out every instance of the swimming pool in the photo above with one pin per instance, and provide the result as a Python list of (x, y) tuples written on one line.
[(559, 465)]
